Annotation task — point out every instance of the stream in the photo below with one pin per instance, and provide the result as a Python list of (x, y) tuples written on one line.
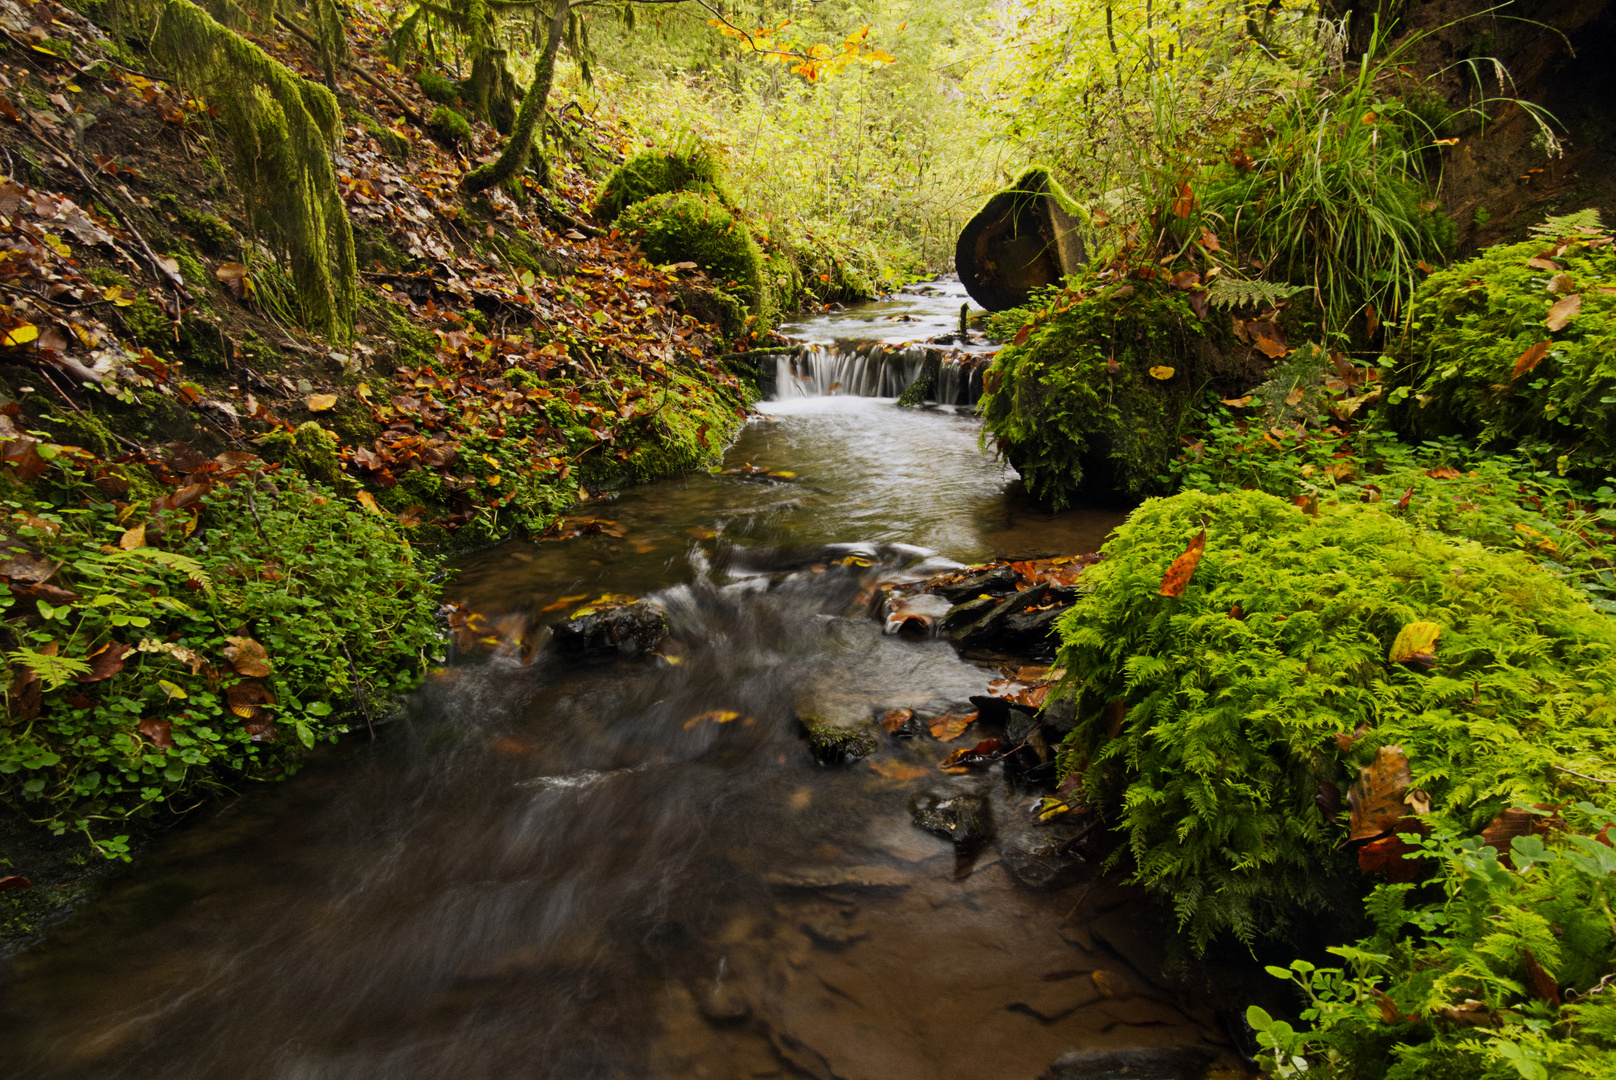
[(556, 869)]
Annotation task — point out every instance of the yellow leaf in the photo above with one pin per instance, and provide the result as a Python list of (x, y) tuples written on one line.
[(174, 692), (368, 501), (1161, 371), (134, 538), (21, 334), (1416, 642), (56, 244), (717, 716), (320, 402)]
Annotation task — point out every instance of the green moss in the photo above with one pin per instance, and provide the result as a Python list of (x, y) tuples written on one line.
[(1472, 324), (1076, 407), (396, 146), (437, 87), (686, 226), (659, 172), (194, 273), (1228, 722), (311, 450), (449, 125), (833, 745), (105, 276), (213, 234)]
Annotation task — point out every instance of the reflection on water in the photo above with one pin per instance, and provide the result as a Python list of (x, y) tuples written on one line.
[(569, 870)]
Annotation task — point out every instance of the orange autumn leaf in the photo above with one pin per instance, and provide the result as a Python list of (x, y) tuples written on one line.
[(1177, 578), (948, 727), (899, 770), (1531, 358)]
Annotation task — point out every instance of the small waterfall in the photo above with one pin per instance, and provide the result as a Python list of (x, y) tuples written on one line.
[(872, 369)]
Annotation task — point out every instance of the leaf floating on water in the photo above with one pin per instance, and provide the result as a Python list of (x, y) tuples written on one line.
[(509, 746), (1531, 358), (948, 727), (895, 719), (985, 752), (717, 716), (1563, 312), (1177, 577), (899, 770), (1377, 796), (1416, 644)]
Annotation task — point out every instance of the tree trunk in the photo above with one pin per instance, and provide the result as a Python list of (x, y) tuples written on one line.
[(513, 159)]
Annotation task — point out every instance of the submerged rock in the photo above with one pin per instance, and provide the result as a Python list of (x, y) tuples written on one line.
[(965, 819), (833, 744), (626, 629), (1166, 1063)]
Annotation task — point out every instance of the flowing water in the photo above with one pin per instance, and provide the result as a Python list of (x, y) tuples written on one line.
[(561, 869)]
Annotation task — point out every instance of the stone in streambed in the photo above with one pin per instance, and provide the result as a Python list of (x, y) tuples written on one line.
[(994, 581), (624, 629), (835, 744), (965, 819)]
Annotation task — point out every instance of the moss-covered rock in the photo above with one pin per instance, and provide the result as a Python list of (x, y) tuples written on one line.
[(659, 172), (437, 87), (832, 744), (1225, 724), (311, 450), (685, 226), (1092, 396), (449, 126), (212, 234), (1481, 360)]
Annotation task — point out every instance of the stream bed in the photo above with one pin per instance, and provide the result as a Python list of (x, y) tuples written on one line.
[(556, 869)]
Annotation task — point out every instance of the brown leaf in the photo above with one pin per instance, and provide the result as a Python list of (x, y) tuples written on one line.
[(1416, 644), (160, 732), (985, 752), (1209, 240), (1268, 337), (1445, 472), (1538, 981), (1199, 303), (895, 719), (1372, 319), (1177, 577), (1518, 821), (1402, 504), (1294, 397), (23, 456), (15, 881), (899, 770), (29, 569), (1345, 741), (247, 699), (949, 726), (247, 657), (1186, 280), (1540, 263), (368, 501), (105, 662), (1385, 856), (1531, 358), (1022, 335), (1563, 312), (1377, 796), (412, 516)]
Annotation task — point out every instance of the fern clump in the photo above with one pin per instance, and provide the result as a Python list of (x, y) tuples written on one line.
[(1210, 720), (282, 129), (659, 172), (685, 226), (1481, 359)]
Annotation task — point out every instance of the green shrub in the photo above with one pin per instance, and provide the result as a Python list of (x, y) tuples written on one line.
[(684, 226), (1075, 406), (659, 172), (1473, 323), (1444, 989), (1231, 715), (340, 608)]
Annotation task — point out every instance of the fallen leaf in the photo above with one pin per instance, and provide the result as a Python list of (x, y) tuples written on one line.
[(899, 770), (1162, 371), (1022, 335), (1237, 403), (1538, 981), (160, 732), (1416, 644), (29, 569), (1377, 796), (320, 402), (716, 716), (15, 881), (1294, 397), (1177, 577), (105, 662), (1385, 856), (1563, 312), (1445, 472), (1540, 263), (20, 335), (1531, 358), (368, 501), (948, 727), (985, 752), (247, 657), (1402, 504), (895, 719)]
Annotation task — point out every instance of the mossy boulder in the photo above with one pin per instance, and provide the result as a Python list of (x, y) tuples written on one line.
[(311, 450), (437, 87), (687, 226), (659, 172), (449, 126), (1480, 359), (1224, 726), (833, 744), (1092, 396)]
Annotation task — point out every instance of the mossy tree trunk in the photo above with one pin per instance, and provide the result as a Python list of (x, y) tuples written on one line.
[(513, 159)]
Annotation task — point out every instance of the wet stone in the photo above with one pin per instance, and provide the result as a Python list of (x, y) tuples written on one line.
[(965, 819), (996, 581), (616, 629), (1166, 1063), (833, 744), (963, 614)]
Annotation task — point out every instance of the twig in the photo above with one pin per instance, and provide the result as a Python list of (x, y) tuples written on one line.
[(1584, 776), (359, 696)]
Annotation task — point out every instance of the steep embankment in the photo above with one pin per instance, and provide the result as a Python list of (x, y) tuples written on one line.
[(221, 528)]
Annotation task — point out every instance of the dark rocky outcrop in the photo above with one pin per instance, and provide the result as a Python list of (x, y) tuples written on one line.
[(614, 629), (1024, 238)]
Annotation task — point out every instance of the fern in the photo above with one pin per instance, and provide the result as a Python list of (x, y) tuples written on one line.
[(193, 571), (54, 671), (1230, 293), (1582, 221)]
